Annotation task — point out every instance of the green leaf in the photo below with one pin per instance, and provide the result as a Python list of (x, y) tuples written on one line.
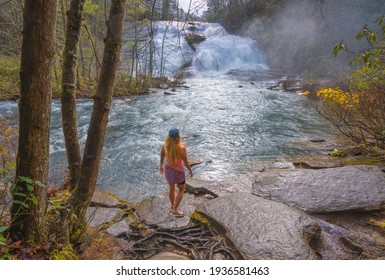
[(22, 203), (2, 240), (380, 20), (13, 188), (19, 194), (40, 184), (33, 199), (30, 188), (3, 228), (360, 35), (337, 49), (25, 179)]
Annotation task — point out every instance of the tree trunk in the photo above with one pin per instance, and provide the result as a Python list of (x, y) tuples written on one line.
[(68, 97), (29, 198), (165, 9), (82, 195)]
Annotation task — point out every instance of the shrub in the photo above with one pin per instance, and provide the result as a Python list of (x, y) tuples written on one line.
[(359, 112)]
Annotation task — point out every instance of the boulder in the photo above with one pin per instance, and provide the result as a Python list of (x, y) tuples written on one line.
[(349, 188), (97, 216), (318, 163), (155, 211), (261, 228), (194, 38), (230, 184), (119, 228), (103, 199), (351, 235), (235, 182)]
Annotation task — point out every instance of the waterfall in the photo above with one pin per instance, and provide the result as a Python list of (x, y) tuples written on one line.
[(222, 51), (215, 50)]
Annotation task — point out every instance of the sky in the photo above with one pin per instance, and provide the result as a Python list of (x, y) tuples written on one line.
[(197, 6)]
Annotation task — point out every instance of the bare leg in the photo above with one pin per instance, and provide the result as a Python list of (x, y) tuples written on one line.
[(171, 195), (179, 196)]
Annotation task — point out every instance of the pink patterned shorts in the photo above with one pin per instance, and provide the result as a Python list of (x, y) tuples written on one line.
[(174, 176)]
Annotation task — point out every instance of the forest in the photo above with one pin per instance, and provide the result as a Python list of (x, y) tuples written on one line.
[(102, 50)]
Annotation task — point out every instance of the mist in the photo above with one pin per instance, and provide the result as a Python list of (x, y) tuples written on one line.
[(300, 37)]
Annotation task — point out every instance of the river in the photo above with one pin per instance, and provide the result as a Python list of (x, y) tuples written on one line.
[(229, 125)]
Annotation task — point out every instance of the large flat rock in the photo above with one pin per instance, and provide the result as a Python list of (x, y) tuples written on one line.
[(237, 182), (231, 184), (349, 188), (105, 199), (261, 228), (155, 211), (97, 216)]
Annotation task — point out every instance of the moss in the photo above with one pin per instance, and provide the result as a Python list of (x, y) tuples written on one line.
[(119, 199), (379, 224), (336, 153), (200, 218), (78, 234), (65, 253), (364, 161)]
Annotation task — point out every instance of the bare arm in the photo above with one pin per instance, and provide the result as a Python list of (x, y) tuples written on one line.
[(162, 155), (186, 162)]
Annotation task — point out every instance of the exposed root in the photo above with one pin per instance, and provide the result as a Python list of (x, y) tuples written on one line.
[(197, 241)]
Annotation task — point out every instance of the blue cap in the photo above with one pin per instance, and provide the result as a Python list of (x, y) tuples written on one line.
[(174, 132)]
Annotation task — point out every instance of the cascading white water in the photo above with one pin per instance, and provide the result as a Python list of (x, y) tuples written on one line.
[(222, 51), (219, 51)]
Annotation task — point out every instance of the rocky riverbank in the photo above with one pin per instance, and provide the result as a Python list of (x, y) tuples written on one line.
[(281, 211)]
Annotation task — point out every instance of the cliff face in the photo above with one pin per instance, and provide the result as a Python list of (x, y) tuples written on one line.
[(300, 36)]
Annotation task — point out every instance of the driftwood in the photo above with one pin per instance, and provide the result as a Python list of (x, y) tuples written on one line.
[(198, 241)]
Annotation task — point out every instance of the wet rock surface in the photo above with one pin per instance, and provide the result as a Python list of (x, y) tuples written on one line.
[(156, 211), (256, 228), (351, 235), (231, 184), (323, 191), (263, 229)]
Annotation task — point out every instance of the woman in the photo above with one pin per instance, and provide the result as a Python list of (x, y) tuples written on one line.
[(175, 154)]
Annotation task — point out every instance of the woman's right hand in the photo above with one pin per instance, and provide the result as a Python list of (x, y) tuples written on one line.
[(161, 169)]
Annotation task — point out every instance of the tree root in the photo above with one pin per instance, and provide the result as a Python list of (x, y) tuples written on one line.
[(197, 241)]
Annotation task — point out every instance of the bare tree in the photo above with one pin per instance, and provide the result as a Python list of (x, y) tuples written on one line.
[(68, 96), (29, 194), (82, 194)]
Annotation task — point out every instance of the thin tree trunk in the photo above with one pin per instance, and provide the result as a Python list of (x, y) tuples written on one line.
[(82, 195), (28, 220), (69, 86), (152, 48)]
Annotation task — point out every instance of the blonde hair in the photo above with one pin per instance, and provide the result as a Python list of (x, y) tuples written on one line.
[(173, 148)]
